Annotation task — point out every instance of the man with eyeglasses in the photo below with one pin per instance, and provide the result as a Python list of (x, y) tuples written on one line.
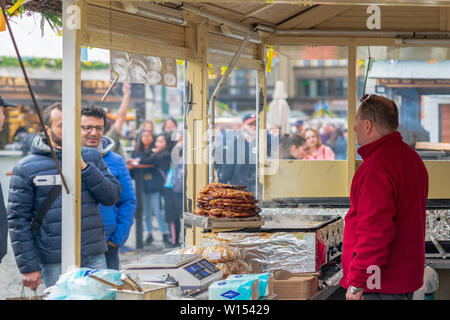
[(383, 254), (117, 218), (34, 209)]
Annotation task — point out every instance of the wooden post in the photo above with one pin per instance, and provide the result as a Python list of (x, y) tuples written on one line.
[(261, 105), (71, 140), (196, 157), (351, 97)]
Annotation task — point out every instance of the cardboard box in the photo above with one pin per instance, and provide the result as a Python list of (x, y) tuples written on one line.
[(297, 287), (151, 292)]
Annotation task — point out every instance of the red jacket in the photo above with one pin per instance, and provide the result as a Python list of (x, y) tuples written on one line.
[(385, 225)]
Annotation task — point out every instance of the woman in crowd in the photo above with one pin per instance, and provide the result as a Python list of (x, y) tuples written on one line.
[(160, 158), (317, 150), (173, 193), (169, 125), (148, 152), (146, 125)]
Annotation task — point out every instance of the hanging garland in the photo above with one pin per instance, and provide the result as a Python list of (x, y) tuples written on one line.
[(48, 63), (50, 10)]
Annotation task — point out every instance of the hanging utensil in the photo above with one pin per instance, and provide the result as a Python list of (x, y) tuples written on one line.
[(112, 85), (130, 282), (115, 286)]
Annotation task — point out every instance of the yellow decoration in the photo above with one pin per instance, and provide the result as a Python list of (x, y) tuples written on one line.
[(223, 69), (15, 7), (210, 71), (180, 62), (60, 33), (269, 59), (2, 22)]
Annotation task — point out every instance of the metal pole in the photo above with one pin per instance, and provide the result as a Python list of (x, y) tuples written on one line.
[(212, 102)]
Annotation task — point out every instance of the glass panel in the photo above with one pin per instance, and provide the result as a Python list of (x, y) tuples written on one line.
[(235, 126), (418, 80), (309, 92)]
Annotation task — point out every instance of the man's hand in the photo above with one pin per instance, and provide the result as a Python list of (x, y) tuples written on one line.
[(356, 296), (83, 164), (31, 280), (112, 244)]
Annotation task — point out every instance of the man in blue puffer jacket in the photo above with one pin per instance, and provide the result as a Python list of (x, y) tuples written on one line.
[(41, 253), (118, 218)]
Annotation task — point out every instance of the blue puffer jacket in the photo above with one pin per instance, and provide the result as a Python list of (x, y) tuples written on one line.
[(118, 218), (25, 199)]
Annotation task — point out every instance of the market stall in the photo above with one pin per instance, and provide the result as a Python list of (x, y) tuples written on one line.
[(285, 213)]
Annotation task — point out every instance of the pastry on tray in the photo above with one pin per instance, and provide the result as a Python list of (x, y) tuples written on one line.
[(225, 200)]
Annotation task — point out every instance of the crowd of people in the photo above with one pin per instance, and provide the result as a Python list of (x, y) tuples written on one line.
[(325, 142), (236, 147)]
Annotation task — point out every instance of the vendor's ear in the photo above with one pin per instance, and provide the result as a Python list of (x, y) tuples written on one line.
[(369, 126)]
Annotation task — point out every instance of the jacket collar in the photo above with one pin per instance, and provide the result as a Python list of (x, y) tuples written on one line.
[(40, 145), (366, 150), (105, 146)]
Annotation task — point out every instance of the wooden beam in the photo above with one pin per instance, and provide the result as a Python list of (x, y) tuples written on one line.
[(313, 17), (71, 142), (256, 10), (351, 102), (262, 106), (330, 41), (444, 19), (196, 115), (426, 3)]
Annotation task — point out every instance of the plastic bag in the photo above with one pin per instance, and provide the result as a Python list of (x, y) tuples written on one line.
[(76, 284)]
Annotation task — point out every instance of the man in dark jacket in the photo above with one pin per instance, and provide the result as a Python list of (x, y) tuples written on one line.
[(118, 218), (3, 220), (41, 253)]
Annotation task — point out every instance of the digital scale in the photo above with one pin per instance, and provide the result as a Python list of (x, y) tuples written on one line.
[(192, 271)]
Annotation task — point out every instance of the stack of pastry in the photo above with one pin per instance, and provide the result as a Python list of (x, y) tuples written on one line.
[(225, 200)]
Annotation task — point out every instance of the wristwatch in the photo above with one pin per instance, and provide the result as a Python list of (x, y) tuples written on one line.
[(354, 290)]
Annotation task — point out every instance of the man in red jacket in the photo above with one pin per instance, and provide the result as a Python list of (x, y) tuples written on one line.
[(384, 236)]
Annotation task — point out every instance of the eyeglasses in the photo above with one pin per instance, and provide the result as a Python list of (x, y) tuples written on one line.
[(90, 128), (365, 98)]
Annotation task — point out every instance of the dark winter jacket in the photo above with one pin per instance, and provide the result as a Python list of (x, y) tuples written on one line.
[(25, 199), (118, 218), (3, 227)]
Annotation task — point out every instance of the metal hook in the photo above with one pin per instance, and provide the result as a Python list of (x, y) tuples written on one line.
[(112, 85)]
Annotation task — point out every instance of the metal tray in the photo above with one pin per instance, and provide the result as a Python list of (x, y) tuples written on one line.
[(210, 223)]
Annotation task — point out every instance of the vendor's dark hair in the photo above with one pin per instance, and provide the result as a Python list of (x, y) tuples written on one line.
[(46, 115), (92, 110)]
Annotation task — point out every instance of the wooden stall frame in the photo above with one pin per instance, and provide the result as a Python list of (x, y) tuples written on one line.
[(191, 43)]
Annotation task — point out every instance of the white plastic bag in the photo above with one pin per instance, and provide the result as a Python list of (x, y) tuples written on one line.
[(76, 284)]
